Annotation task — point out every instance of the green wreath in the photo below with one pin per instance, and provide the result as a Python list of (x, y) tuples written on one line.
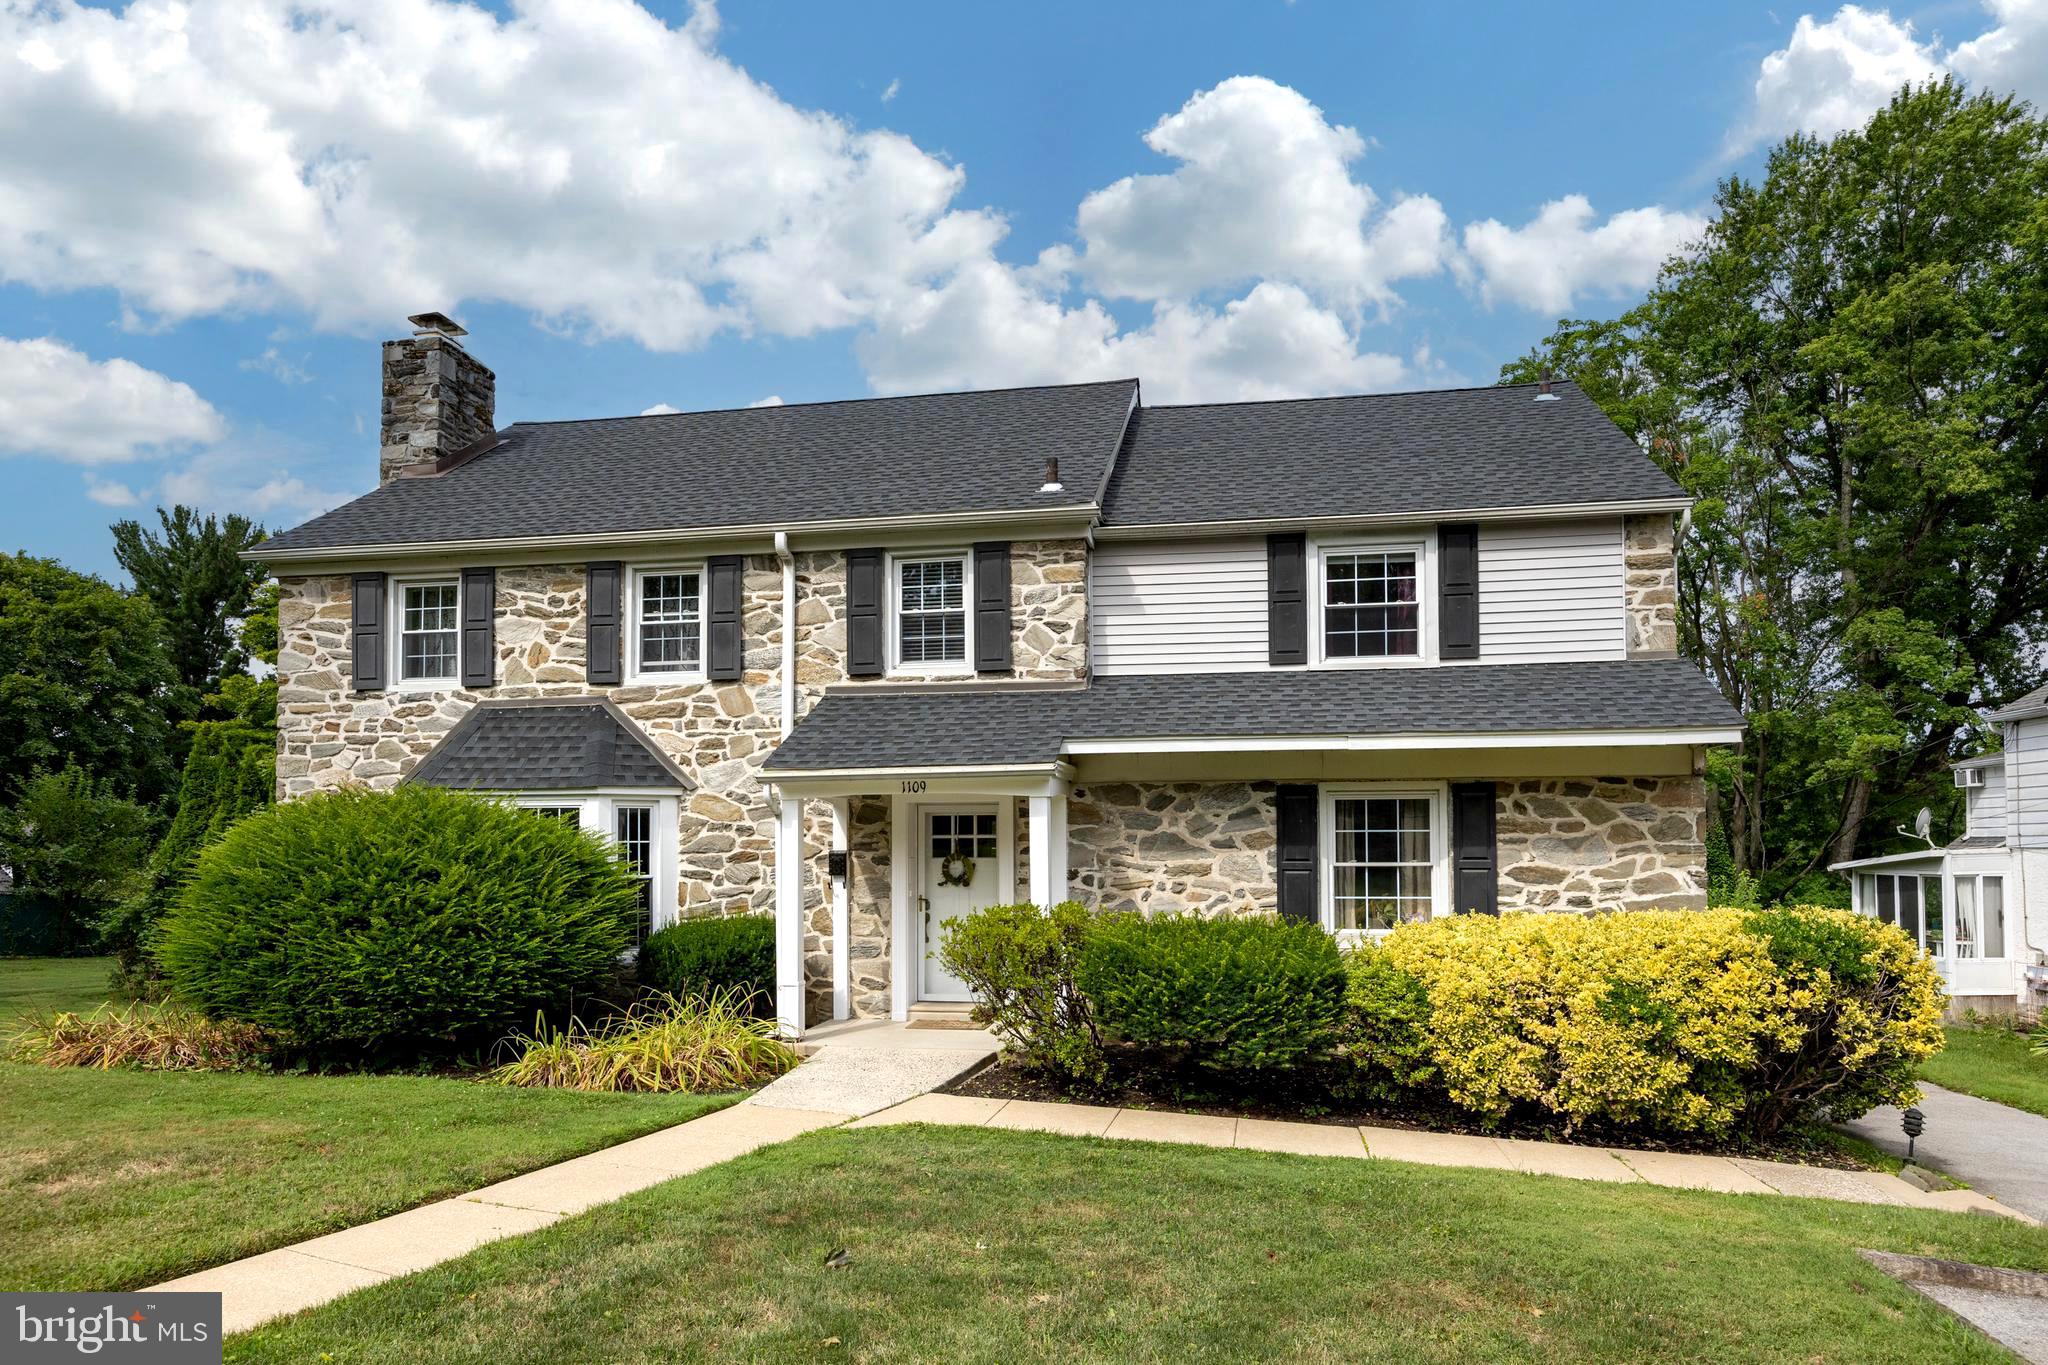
[(957, 870)]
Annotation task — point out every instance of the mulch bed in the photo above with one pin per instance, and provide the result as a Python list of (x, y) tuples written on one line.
[(1306, 1102)]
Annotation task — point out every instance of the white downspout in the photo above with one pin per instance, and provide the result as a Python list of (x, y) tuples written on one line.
[(788, 631), (789, 877)]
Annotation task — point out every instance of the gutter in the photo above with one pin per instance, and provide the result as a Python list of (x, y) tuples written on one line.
[(1534, 511), (1082, 514)]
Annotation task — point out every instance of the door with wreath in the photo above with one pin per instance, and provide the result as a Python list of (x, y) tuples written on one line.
[(959, 873)]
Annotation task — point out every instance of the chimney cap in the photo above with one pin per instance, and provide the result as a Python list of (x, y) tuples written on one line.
[(427, 324)]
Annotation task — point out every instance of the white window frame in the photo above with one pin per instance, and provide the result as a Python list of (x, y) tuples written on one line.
[(1953, 913), (395, 648), (635, 673), (894, 610), (597, 810), (1438, 794), (1422, 544)]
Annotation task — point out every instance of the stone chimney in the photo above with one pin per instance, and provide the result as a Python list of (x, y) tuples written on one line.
[(438, 399)]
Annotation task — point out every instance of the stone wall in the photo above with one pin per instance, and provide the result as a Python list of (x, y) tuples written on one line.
[(1649, 548), (719, 733), (1601, 843), (438, 399), (1203, 846)]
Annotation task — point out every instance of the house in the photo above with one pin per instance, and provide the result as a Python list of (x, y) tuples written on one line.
[(1980, 905), (869, 664)]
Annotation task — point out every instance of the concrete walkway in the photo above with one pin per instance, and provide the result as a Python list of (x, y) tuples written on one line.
[(1990, 1147), (859, 1066), (1730, 1175)]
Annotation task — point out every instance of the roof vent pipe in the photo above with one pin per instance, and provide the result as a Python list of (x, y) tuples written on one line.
[(1543, 393), (1052, 482)]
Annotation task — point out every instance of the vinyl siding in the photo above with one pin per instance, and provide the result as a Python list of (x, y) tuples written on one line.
[(1177, 606), (2026, 772), (1984, 807), (1551, 591)]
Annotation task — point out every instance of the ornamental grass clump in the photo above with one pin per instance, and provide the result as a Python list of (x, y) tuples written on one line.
[(396, 925), (700, 1045), (149, 1037)]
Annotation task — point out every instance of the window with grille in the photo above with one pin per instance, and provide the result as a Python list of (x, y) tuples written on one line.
[(633, 829), (931, 611), (669, 626), (965, 835), (1382, 862), (1370, 605), (568, 815), (429, 632)]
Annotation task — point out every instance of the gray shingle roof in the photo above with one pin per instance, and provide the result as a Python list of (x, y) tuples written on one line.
[(512, 746), (2031, 704), (962, 726), (1374, 454), (1969, 841), (933, 454)]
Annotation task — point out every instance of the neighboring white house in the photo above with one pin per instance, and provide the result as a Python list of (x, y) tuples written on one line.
[(1980, 905)]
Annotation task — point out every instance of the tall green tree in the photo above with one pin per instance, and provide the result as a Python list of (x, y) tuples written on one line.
[(1850, 370), (76, 848), (191, 571), (85, 678)]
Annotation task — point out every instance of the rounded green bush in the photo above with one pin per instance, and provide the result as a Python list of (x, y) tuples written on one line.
[(1246, 993), (409, 922), (706, 957)]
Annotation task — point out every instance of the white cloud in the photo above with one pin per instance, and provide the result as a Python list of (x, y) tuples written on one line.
[(55, 400), (1263, 191), (1559, 255), (773, 400), (274, 364), (1834, 74), (616, 177), (892, 89), (110, 492), (659, 410)]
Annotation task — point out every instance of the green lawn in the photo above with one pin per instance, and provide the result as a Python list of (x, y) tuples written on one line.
[(973, 1245), (115, 1179), (1994, 1063), (29, 985)]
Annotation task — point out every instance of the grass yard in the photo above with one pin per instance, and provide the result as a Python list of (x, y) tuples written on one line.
[(115, 1179), (1991, 1062), (29, 985), (973, 1245)]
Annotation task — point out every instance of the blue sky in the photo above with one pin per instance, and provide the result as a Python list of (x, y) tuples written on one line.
[(207, 220)]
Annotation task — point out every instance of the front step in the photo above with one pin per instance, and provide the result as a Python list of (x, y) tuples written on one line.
[(941, 1012)]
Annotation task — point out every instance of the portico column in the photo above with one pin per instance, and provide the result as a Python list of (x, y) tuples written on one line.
[(789, 917), (1048, 825)]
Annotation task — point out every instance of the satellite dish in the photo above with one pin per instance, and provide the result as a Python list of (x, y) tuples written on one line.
[(1922, 824)]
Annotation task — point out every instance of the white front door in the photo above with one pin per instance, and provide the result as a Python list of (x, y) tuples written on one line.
[(960, 858)]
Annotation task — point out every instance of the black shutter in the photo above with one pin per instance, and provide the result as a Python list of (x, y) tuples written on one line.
[(366, 632), (1475, 871), (1457, 566), (479, 610), (864, 613), (1287, 599), (602, 585), (1296, 809), (727, 653), (992, 607)]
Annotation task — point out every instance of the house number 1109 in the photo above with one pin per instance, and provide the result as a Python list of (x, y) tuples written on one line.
[(913, 786)]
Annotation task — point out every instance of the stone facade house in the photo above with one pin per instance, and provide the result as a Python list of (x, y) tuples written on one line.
[(866, 665), (1979, 906)]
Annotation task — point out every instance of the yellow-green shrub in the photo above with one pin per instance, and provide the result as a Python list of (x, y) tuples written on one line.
[(1704, 1022)]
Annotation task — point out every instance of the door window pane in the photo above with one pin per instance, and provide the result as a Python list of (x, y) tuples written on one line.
[(1908, 893), (1930, 910), (1966, 915), (1993, 899), (1382, 868), (1887, 909), (1369, 605)]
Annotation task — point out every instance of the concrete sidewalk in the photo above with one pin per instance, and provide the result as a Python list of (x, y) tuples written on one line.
[(258, 1288), (1990, 1147), (1680, 1170)]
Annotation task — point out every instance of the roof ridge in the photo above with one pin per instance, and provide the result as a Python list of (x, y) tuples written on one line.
[(1336, 397), (829, 402)]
